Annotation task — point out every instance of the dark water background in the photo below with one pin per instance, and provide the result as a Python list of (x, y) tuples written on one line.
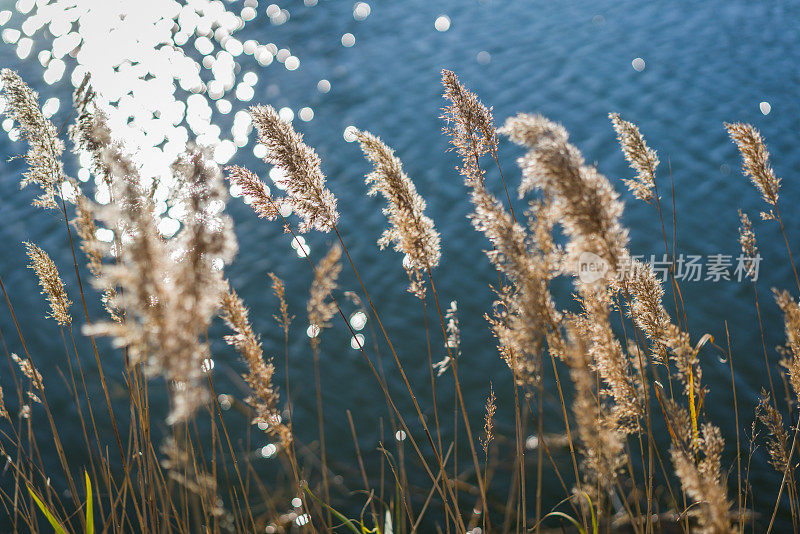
[(706, 63)]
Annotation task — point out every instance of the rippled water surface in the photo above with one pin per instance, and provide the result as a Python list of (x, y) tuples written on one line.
[(678, 69)]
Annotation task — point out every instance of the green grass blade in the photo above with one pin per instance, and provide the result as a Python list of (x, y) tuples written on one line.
[(89, 507), (47, 513), (348, 522), (568, 518)]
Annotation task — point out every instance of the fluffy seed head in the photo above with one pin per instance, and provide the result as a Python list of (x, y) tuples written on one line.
[(584, 202), (3, 411), (755, 162), (453, 339), (469, 123), (779, 444), (51, 284), (264, 394), (747, 239), (791, 319), (320, 306), (304, 181), (641, 158), (411, 231), (172, 287), (27, 368), (44, 154), (256, 191)]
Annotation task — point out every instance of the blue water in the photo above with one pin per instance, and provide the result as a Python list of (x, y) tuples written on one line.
[(705, 63)]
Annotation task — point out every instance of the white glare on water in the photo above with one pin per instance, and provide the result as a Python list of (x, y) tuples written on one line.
[(160, 51), (357, 341), (349, 134), (361, 10), (442, 23), (358, 320), (306, 114)]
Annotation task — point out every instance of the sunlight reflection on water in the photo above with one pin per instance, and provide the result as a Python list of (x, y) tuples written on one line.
[(143, 79)]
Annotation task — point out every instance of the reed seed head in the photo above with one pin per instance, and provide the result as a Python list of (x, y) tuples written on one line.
[(453, 341), (3, 410), (304, 181), (411, 231), (321, 306), (264, 394), (641, 158), (584, 202), (755, 163), (172, 287), (602, 443), (468, 122), (488, 421), (702, 480), (646, 308), (780, 443), (45, 148), (256, 191), (279, 290), (747, 239), (27, 368), (51, 284), (791, 319)]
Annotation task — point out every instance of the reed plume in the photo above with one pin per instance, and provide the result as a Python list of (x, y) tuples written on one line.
[(488, 421), (601, 441), (685, 358), (702, 477), (3, 411), (51, 284), (91, 134), (411, 231), (525, 309), (304, 182), (528, 311), (453, 340), (37, 383), (791, 318), (584, 202), (645, 307), (256, 191), (86, 228), (607, 357), (171, 287), (755, 163), (264, 397), (641, 158), (779, 444), (320, 306), (206, 239), (45, 148), (747, 239), (469, 124), (278, 288)]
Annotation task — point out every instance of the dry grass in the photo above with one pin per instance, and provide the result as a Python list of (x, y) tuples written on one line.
[(626, 374)]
